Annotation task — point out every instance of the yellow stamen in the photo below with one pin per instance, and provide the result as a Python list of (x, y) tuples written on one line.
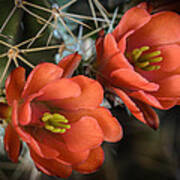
[(150, 55), (151, 68), (49, 127), (59, 130), (46, 117), (156, 60), (143, 60), (142, 64), (144, 48), (59, 118), (55, 123), (136, 53)]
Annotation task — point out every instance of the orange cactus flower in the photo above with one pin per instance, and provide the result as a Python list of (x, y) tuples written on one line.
[(139, 62), (59, 118)]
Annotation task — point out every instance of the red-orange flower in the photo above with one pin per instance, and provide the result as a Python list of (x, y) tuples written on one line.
[(59, 118), (139, 61)]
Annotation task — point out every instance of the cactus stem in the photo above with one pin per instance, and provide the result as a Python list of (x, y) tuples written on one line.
[(8, 18), (36, 16), (5, 70), (39, 32), (25, 61)]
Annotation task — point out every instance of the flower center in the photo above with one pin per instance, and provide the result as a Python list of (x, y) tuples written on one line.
[(55, 123), (145, 61)]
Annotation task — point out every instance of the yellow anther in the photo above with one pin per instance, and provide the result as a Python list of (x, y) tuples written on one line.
[(46, 117), (57, 130), (150, 55), (67, 126), (55, 123), (142, 64), (143, 60), (144, 48), (136, 53), (59, 118), (156, 60), (49, 127), (151, 68)]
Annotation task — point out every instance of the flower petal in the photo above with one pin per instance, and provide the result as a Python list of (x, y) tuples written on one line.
[(70, 157), (93, 163), (123, 41), (109, 59), (47, 144), (167, 104), (50, 166), (24, 135), (129, 103), (52, 146), (83, 135), (169, 87), (12, 143), (38, 110), (25, 111), (115, 63), (69, 64), (168, 66), (99, 46), (41, 75), (155, 32), (157, 102), (141, 111), (170, 61), (91, 95), (146, 98), (50, 143), (59, 89), (113, 54), (110, 46), (146, 6), (133, 19), (150, 115), (111, 128), (15, 84), (127, 78)]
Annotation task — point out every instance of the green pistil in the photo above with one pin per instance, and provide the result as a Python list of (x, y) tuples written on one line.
[(55, 123), (143, 61)]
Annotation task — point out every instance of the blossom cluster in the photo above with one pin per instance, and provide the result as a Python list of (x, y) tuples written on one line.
[(60, 116)]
